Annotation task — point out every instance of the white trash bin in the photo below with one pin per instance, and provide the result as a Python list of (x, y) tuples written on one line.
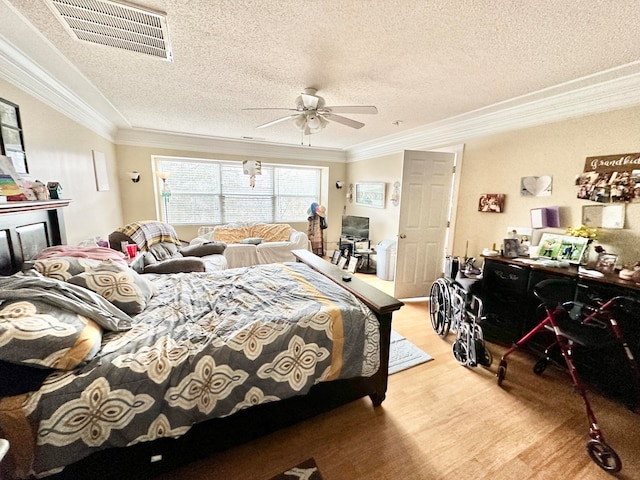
[(386, 259)]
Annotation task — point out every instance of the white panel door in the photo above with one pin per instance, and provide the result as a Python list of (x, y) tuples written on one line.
[(427, 179)]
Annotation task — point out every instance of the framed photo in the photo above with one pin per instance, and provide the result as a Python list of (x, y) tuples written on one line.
[(11, 138), (604, 216), (491, 202), (511, 247), (342, 262), (562, 247), (370, 194), (335, 257), (353, 264)]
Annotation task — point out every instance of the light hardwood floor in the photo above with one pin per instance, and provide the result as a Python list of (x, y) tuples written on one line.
[(444, 421)]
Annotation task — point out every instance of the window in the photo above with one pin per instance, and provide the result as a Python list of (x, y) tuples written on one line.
[(216, 192)]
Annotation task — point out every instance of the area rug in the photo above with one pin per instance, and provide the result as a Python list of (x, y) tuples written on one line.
[(404, 354), (307, 470)]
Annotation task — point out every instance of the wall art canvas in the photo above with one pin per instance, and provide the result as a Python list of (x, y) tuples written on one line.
[(370, 194), (535, 186), (610, 179), (100, 170)]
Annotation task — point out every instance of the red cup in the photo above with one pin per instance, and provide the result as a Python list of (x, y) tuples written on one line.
[(132, 250)]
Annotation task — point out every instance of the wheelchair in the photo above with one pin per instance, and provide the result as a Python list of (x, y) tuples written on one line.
[(452, 307), (584, 325)]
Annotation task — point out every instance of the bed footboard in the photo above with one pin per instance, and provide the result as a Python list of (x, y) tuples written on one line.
[(381, 304)]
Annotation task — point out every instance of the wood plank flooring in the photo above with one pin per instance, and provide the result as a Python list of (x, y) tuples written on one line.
[(444, 421)]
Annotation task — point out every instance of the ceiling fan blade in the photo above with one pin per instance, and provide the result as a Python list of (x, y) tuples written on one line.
[(368, 109), (343, 120), (270, 108), (309, 101), (273, 122)]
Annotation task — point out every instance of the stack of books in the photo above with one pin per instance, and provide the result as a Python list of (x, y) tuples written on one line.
[(9, 189)]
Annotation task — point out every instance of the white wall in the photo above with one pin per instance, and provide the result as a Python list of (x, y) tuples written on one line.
[(59, 149), (496, 164), (383, 223)]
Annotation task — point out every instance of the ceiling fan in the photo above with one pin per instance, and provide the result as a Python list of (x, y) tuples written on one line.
[(312, 115)]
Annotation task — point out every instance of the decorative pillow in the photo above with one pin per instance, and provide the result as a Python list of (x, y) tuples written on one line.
[(63, 268), (40, 334), (122, 286), (252, 241), (271, 232)]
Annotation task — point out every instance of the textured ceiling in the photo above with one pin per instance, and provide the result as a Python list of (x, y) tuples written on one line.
[(419, 62)]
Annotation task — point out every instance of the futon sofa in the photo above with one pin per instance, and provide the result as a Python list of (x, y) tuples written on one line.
[(252, 243)]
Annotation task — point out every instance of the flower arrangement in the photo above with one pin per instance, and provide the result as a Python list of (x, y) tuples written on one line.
[(583, 231)]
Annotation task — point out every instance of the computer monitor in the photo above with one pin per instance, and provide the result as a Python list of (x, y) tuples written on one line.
[(355, 227)]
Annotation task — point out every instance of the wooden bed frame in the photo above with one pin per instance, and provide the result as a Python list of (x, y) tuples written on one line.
[(28, 228)]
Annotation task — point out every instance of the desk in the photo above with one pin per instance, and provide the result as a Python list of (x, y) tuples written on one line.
[(511, 310)]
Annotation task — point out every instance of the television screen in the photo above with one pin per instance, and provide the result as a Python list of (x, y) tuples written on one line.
[(355, 227)]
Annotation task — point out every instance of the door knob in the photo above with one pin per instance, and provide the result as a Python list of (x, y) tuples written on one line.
[(402, 235)]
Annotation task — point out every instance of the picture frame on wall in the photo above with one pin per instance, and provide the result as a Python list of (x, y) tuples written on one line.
[(370, 194), (11, 136), (491, 202)]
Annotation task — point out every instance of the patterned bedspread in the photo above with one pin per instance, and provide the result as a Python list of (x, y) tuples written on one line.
[(207, 345)]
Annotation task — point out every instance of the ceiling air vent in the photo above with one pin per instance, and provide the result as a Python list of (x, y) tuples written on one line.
[(115, 25)]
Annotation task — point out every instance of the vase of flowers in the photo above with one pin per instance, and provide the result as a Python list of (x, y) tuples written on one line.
[(590, 233)]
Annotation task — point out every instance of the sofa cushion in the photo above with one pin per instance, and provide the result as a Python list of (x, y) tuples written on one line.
[(270, 232), (230, 234)]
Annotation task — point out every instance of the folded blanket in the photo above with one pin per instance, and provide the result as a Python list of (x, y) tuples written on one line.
[(95, 253)]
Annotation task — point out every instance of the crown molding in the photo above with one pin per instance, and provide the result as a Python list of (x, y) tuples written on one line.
[(610, 90), (219, 145), (21, 71)]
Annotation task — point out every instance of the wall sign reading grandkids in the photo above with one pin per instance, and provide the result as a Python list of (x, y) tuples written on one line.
[(611, 178)]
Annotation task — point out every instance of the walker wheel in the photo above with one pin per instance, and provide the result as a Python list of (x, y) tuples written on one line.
[(604, 456), (502, 371), (540, 366)]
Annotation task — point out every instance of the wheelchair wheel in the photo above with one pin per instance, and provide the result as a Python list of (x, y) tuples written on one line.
[(440, 307), (604, 456), (540, 366), (483, 355), (460, 352)]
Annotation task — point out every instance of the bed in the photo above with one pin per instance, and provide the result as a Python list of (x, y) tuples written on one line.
[(209, 360)]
